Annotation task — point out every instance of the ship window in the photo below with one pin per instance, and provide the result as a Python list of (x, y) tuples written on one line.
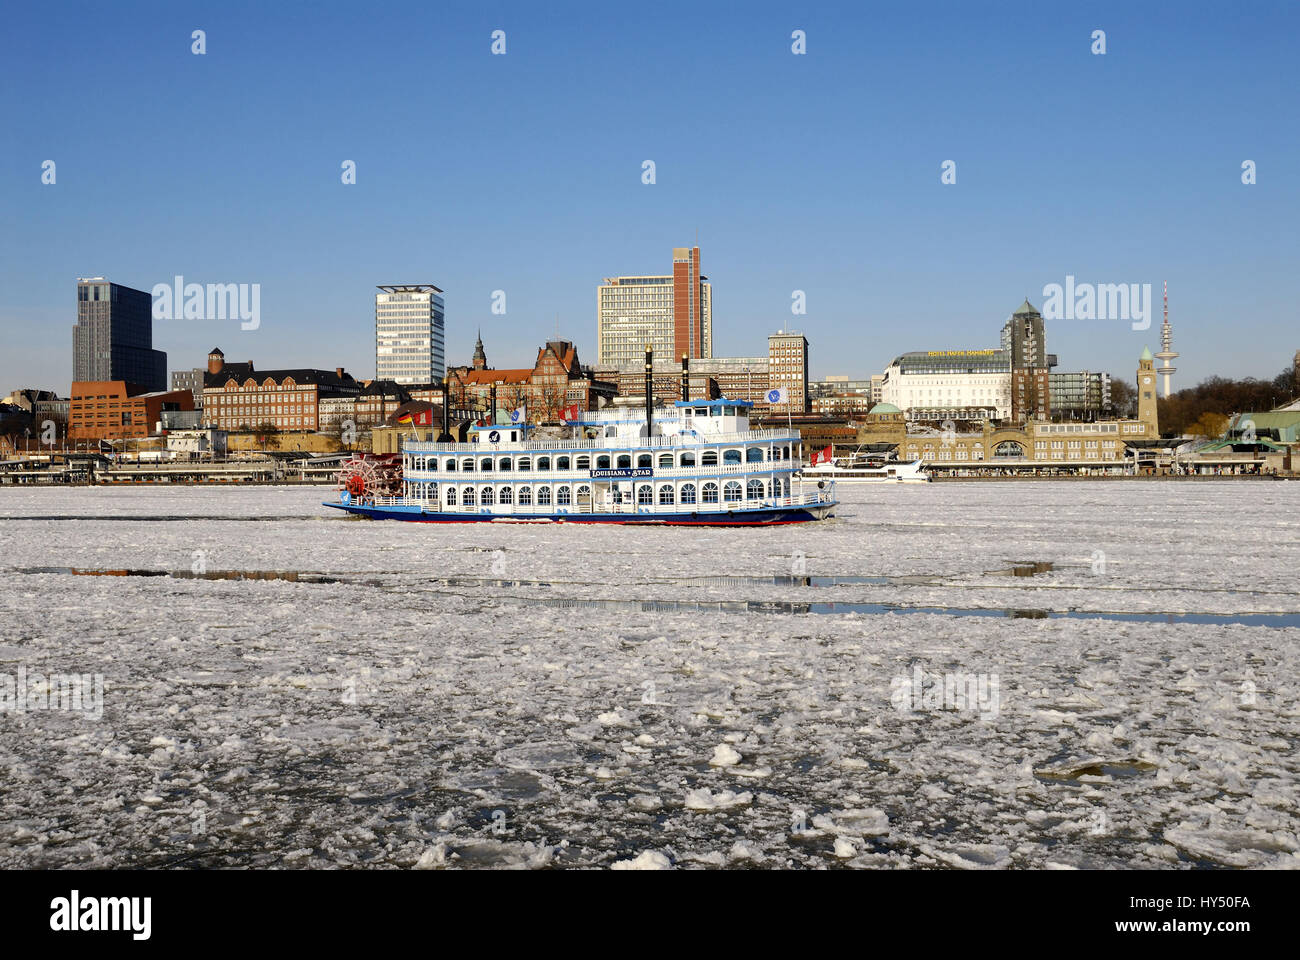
[(561, 463), (544, 496), (485, 465), (582, 463), (731, 456), (644, 494), (563, 497), (525, 496), (584, 496), (602, 462), (451, 496), (709, 458), (666, 494), (687, 411), (506, 496), (665, 459), (754, 455), (503, 463), (688, 493), (431, 464), (486, 498), (710, 493), (544, 463), (467, 465), (611, 431), (754, 490), (785, 453), (687, 460), (468, 498), (624, 462), (644, 461), (525, 463), (715, 411), (731, 492)]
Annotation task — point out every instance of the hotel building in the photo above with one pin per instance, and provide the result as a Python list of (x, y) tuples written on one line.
[(673, 314), (409, 332), (949, 384)]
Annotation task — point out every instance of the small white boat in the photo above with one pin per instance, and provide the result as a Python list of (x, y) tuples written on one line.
[(865, 470)]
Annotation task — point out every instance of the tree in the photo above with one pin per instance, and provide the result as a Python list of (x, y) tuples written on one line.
[(1123, 398)]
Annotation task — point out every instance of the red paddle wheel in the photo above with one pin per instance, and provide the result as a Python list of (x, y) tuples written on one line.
[(370, 475)]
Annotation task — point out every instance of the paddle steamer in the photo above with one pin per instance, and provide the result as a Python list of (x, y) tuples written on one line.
[(697, 463)]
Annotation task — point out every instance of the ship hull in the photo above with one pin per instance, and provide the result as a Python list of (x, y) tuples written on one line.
[(767, 517)]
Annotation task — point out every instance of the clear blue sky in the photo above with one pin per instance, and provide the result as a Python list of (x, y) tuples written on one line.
[(523, 172)]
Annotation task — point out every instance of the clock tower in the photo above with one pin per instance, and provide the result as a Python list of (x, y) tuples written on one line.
[(1146, 385)]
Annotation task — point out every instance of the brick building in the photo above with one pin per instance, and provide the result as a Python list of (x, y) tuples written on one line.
[(115, 409), (236, 397), (556, 380)]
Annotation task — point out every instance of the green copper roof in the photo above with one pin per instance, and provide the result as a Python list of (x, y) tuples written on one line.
[(1025, 307), (885, 408), (1146, 354)]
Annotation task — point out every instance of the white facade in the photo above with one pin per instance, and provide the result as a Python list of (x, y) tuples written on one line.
[(634, 311), (941, 383), (409, 330)]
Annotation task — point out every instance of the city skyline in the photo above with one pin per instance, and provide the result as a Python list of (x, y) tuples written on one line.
[(541, 197)]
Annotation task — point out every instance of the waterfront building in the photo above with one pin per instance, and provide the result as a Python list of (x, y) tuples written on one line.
[(671, 313), (113, 336), (409, 333), (237, 397), (556, 380), (116, 410), (949, 384), (1082, 395)]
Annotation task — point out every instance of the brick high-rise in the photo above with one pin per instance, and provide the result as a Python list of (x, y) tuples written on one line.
[(674, 314)]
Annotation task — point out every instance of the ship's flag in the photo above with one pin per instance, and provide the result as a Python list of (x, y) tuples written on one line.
[(570, 412), (821, 456), (519, 415), (778, 395)]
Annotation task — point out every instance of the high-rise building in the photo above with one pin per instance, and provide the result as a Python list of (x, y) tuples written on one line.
[(113, 336), (787, 353), (1025, 339), (673, 314), (409, 328)]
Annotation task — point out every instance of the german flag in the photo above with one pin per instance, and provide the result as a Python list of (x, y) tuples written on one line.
[(406, 418)]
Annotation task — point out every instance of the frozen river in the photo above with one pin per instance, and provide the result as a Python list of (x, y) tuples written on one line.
[(410, 695)]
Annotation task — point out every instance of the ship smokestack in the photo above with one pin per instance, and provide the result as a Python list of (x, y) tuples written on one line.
[(686, 377), (649, 390), (446, 413), (492, 410)]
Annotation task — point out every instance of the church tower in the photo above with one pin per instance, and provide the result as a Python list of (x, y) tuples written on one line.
[(480, 358), (1146, 384)]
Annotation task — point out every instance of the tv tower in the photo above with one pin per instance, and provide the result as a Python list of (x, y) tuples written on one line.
[(1166, 353)]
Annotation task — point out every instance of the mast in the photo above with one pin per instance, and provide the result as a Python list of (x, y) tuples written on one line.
[(649, 390)]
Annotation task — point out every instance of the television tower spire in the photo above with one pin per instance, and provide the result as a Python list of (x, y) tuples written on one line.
[(1166, 354)]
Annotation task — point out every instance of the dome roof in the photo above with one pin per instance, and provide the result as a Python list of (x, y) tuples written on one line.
[(1146, 354), (884, 408)]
